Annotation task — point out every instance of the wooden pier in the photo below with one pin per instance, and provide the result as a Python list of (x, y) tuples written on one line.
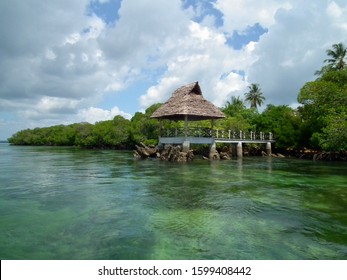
[(187, 104), (185, 137)]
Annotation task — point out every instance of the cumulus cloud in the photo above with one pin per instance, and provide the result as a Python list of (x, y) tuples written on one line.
[(93, 115), (203, 56), (60, 61), (52, 63), (241, 14), (294, 48), (282, 61), (44, 51), (338, 13), (28, 26)]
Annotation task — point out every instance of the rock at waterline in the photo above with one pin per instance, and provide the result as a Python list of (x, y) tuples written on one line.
[(143, 151), (224, 155), (167, 153), (174, 153), (214, 155)]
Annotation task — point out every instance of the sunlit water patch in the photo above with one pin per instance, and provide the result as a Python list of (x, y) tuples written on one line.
[(66, 203)]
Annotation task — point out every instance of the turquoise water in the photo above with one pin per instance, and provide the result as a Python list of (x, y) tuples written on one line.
[(66, 203)]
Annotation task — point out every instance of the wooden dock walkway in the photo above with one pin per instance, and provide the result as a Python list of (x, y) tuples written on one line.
[(185, 137)]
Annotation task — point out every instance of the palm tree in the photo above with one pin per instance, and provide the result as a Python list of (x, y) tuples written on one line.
[(234, 106), (337, 55), (235, 101), (254, 96)]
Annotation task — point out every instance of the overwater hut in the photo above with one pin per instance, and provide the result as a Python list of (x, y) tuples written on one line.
[(187, 104)]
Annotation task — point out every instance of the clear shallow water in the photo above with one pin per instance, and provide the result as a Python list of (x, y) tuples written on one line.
[(65, 203)]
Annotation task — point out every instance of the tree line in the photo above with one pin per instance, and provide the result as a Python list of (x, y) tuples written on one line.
[(320, 122)]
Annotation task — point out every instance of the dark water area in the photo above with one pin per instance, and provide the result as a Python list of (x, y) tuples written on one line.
[(65, 203)]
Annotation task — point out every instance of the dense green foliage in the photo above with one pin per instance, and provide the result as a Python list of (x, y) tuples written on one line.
[(113, 133), (284, 122), (118, 133), (319, 123), (121, 133), (238, 117), (143, 128), (324, 111)]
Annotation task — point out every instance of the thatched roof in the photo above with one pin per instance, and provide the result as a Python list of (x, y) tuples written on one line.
[(188, 101)]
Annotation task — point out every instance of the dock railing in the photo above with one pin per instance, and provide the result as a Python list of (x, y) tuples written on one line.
[(218, 134)]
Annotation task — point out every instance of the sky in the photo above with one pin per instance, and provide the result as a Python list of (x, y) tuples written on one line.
[(64, 61)]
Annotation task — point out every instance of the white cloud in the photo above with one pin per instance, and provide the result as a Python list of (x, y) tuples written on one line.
[(93, 115), (159, 93), (52, 63), (294, 48), (72, 39), (204, 33), (143, 29), (49, 110), (232, 85), (203, 56), (338, 15), (240, 14), (54, 104), (58, 63), (29, 26), (44, 52), (96, 27), (281, 62), (334, 10), (102, 1)]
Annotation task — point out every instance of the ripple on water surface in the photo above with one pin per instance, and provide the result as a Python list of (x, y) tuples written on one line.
[(66, 203)]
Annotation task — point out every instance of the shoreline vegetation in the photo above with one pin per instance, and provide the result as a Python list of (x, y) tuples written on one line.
[(224, 152), (316, 130)]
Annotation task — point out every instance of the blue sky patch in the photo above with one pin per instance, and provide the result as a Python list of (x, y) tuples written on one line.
[(241, 39), (107, 11), (204, 8)]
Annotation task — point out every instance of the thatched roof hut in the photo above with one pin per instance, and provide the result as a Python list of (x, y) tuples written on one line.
[(187, 103)]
